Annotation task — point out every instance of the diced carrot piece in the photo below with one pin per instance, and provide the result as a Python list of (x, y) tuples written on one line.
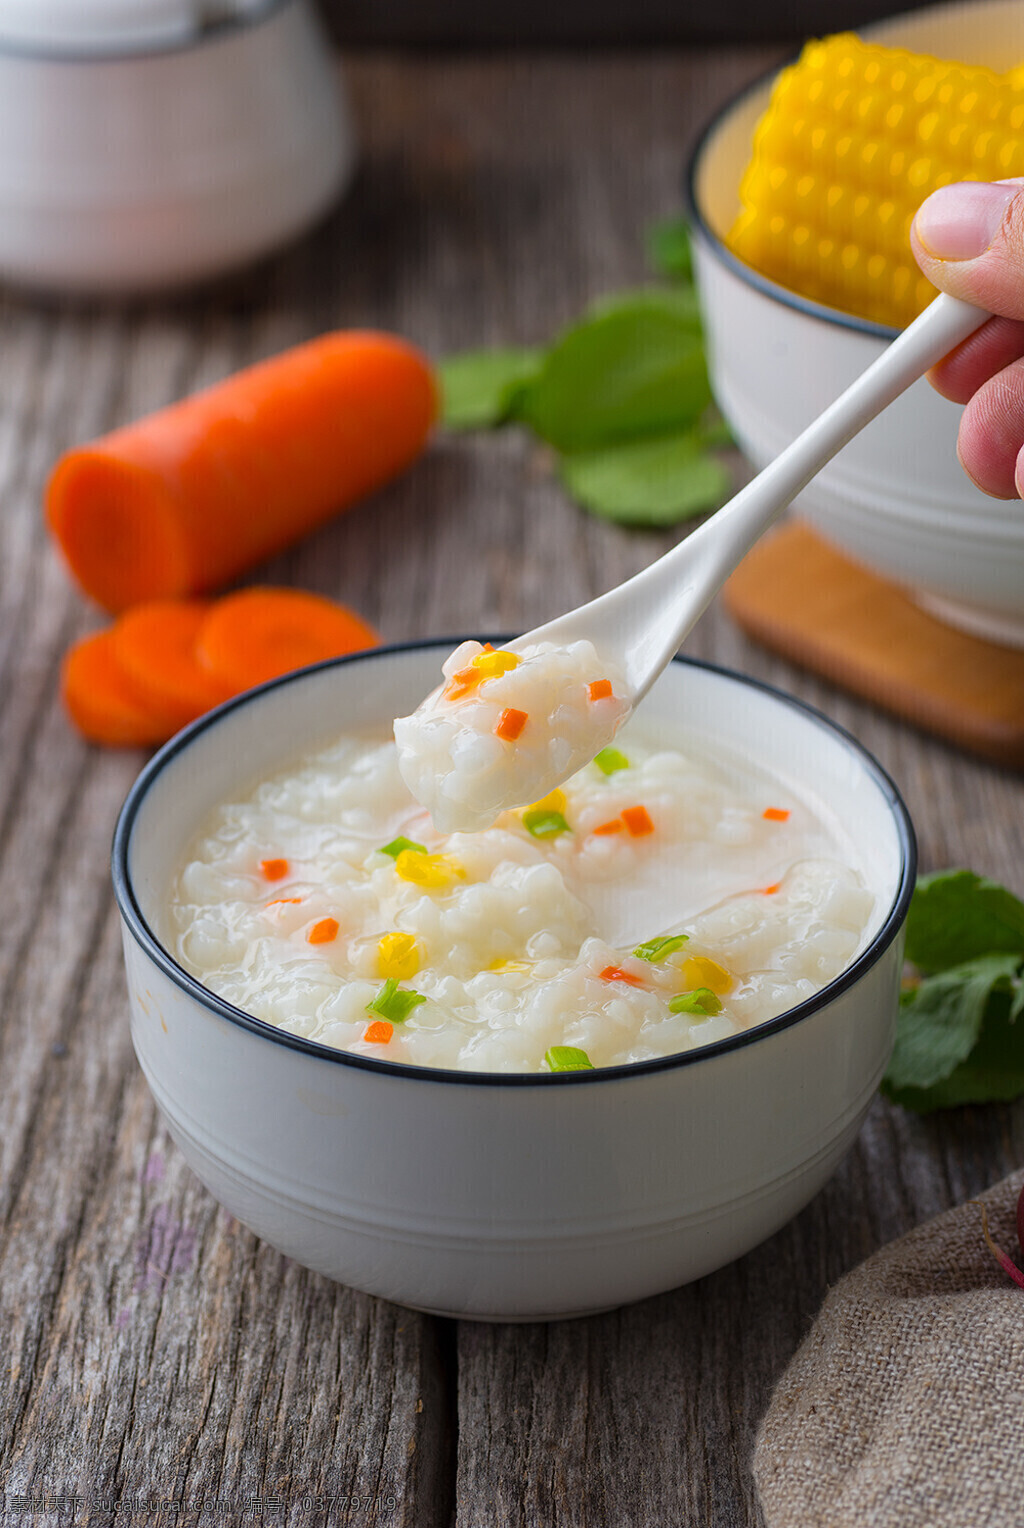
[(599, 689), (379, 1032), (323, 932), (510, 724), (617, 974), (462, 682), (273, 869), (615, 826), (637, 820), (769, 891), (280, 901), (775, 814)]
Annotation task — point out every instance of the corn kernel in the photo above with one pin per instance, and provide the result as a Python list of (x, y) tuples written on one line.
[(700, 971), (398, 956), (855, 137), (433, 871), (493, 665)]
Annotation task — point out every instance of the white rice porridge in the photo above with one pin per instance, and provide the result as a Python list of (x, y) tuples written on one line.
[(507, 727), (655, 903)]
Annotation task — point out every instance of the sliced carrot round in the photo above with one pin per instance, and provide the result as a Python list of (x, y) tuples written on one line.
[(259, 633), (155, 644), (101, 698)]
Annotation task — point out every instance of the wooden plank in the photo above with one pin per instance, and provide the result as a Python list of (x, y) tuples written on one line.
[(802, 598)]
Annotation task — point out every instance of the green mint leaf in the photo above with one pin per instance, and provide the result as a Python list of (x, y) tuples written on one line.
[(480, 388), (679, 303), (636, 368), (714, 432), (940, 1024), (656, 481), (956, 916), (994, 1070), (669, 249)]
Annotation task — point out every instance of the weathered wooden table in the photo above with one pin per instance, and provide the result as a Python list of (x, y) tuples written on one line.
[(158, 1362)]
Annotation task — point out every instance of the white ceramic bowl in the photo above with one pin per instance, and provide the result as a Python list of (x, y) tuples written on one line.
[(896, 498), (143, 162), (507, 1196)]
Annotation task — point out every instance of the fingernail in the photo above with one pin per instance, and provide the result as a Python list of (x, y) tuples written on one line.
[(959, 222)]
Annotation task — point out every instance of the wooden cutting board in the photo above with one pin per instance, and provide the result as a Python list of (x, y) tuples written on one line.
[(803, 599)]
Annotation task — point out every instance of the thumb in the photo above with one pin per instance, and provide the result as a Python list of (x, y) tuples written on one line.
[(968, 238)]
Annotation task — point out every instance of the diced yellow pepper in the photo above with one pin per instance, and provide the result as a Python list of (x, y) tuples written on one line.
[(398, 956), (508, 965), (434, 871), (700, 971), (492, 665), (854, 138), (554, 801)]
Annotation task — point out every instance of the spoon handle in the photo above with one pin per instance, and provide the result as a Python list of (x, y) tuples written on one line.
[(943, 325), (683, 582), (646, 618)]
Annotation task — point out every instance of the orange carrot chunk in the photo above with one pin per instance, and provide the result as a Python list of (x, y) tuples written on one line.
[(775, 814), (323, 932), (274, 869), (617, 974), (102, 700), (615, 826), (510, 724), (599, 689), (155, 645), (379, 1032), (260, 633), (769, 891), (187, 498), (637, 820)]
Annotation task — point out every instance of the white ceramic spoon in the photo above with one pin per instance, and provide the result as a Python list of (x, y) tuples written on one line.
[(641, 623)]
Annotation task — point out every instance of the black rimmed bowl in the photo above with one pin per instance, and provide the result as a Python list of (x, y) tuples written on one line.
[(895, 498), (508, 1196)]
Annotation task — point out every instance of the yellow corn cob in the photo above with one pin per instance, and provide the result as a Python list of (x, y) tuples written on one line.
[(853, 140)]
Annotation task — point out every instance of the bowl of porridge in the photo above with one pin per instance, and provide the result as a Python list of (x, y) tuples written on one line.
[(592, 1048)]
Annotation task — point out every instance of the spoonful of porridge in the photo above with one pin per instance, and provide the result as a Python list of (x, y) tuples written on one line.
[(506, 727)]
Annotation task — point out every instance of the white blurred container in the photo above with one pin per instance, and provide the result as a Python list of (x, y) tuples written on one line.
[(152, 143)]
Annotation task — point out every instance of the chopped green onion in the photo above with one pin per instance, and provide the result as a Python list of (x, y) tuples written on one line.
[(566, 1058), (398, 846), (609, 760), (701, 1000), (544, 823), (660, 949), (393, 1004)]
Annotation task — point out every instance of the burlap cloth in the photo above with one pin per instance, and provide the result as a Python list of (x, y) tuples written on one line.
[(905, 1404)]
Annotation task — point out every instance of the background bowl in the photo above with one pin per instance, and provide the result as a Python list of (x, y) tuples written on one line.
[(138, 163), (896, 498), (508, 1196)]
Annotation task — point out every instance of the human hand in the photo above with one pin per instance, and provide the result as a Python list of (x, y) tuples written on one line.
[(968, 239)]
